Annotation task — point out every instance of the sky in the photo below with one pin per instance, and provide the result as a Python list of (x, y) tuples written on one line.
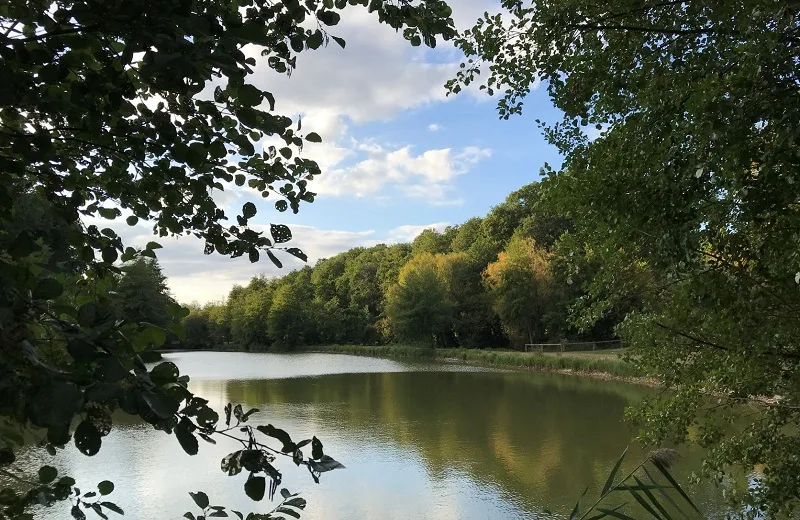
[(398, 155)]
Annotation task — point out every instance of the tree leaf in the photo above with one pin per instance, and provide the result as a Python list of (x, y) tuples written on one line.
[(47, 289), (163, 373), (274, 259), (313, 137), (281, 435), (316, 448), (87, 438), (112, 507), (163, 405), (77, 513), (297, 253), (55, 404), (249, 210), (185, 436), (249, 95), (255, 487), (338, 40), (324, 464), (280, 233), (47, 474), (106, 487), (200, 498), (297, 502), (287, 511)]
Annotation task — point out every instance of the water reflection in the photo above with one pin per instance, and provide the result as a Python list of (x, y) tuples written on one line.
[(419, 441)]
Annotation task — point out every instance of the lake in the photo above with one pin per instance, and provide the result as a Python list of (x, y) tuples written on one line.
[(419, 440)]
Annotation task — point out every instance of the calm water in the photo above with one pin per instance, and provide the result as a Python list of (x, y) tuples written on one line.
[(420, 441)]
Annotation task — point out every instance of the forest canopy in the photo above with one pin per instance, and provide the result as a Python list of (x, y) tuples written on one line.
[(490, 282)]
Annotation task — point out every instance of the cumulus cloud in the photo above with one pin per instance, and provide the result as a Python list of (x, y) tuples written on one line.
[(433, 127), (427, 176)]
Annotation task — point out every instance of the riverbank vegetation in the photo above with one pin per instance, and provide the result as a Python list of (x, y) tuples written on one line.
[(608, 367)]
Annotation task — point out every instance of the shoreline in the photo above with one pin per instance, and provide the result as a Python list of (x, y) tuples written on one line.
[(593, 368), (598, 368)]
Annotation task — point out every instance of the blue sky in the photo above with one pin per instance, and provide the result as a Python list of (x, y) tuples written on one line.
[(397, 156)]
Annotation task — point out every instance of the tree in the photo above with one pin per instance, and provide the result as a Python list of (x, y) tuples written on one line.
[(475, 324), (417, 306), (142, 294), (466, 235), (522, 210), (431, 241), (691, 172), (291, 319), (522, 289), (102, 114)]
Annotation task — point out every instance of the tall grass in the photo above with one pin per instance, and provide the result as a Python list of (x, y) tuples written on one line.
[(533, 361)]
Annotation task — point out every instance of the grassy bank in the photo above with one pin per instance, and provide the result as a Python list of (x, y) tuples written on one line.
[(595, 366)]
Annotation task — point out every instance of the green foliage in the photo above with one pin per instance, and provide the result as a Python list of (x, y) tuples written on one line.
[(418, 306), (142, 294), (361, 297), (104, 115), (679, 136), (522, 285)]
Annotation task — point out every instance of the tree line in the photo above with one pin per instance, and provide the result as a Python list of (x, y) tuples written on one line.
[(497, 281)]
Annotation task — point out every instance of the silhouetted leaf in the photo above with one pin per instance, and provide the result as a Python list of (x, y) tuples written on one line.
[(280, 233), (200, 498), (106, 487), (112, 507), (185, 436), (324, 464), (87, 438), (255, 487), (281, 435), (316, 448), (47, 289), (47, 474), (249, 210), (274, 259)]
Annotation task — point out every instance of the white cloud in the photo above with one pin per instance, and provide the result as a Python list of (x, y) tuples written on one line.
[(433, 127), (428, 176), (408, 233)]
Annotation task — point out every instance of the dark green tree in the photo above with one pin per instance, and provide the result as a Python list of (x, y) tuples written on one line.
[(142, 294), (680, 142), (101, 115)]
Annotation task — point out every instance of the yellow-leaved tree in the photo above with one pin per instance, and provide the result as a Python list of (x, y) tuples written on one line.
[(521, 285)]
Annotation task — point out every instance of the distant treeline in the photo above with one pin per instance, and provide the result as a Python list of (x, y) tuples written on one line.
[(490, 282)]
